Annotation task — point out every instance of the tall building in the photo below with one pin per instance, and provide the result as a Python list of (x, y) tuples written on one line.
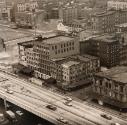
[(110, 49), (68, 14), (105, 22), (110, 87)]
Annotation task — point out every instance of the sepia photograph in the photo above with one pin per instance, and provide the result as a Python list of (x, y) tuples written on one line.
[(63, 62)]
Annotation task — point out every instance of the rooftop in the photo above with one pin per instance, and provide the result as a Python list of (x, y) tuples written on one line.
[(104, 13), (105, 38), (76, 59), (118, 74), (57, 39), (69, 64), (8, 34)]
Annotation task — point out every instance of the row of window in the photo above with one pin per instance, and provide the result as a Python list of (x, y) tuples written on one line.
[(64, 50), (63, 45)]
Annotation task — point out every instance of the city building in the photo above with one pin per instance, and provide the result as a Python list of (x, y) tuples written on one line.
[(39, 57), (5, 13), (117, 5), (29, 19), (105, 22), (55, 13), (110, 87), (78, 70), (106, 47), (68, 13), (25, 5), (58, 57)]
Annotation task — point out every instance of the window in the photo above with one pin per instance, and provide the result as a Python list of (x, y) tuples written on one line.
[(121, 88)]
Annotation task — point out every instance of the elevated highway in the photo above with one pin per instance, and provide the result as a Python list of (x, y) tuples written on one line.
[(35, 99)]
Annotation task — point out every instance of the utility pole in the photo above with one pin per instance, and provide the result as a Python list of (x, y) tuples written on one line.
[(5, 103)]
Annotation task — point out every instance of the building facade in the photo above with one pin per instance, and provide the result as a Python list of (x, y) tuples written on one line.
[(78, 70), (110, 87), (27, 5), (29, 19), (68, 13), (39, 58), (105, 47), (105, 22)]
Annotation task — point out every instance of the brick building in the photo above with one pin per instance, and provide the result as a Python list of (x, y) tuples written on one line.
[(105, 22), (78, 70), (40, 56), (110, 87), (58, 57), (106, 47)]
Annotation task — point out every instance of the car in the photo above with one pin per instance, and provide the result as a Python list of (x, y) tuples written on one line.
[(61, 119), (20, 113), (106, 116), (67, 103), (51, 107), (68, 98), (115, 124), (9, 91)]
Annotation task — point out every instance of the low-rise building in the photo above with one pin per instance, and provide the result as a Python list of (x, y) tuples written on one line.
[(110, 87), (40, 56), (58, 57), (78, 70)]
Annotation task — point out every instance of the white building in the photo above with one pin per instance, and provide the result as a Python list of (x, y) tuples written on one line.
[(117, 5), (30, 5)]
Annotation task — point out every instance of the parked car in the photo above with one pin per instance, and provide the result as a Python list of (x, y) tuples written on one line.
[(51, 107), (61, 119), (106, 116)]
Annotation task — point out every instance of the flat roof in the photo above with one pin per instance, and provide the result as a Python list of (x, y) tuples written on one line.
[(118, 74), (105, 38), (57, 39), (76, 58), (8, 34), (70, 63), (104, 13), (21, 41)]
